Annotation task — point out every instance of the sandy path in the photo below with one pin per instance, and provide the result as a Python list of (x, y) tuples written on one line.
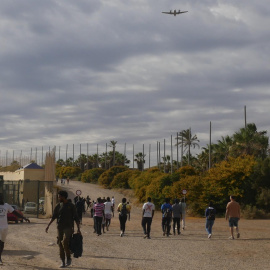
[(191, 250)]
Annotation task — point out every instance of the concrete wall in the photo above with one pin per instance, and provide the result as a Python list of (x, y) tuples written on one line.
[(13, 176), (23, 174), (34, 174)]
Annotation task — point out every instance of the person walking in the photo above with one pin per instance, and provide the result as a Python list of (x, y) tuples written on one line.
[(124, 214), (113, 202), (80, 207), (166, 210), (147, 217), (210, 214), (184, 206), (4, 209), (65, 213), (177, 213), (98, 215), (233, 214), (108, 212), (88, 202)]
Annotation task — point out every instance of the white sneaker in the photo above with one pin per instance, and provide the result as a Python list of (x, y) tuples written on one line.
[(209, 235)]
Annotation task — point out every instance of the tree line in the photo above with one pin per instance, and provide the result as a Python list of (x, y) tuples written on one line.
[(240, 165)]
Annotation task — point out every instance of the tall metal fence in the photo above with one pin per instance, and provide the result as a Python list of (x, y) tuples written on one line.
[(155, 153)]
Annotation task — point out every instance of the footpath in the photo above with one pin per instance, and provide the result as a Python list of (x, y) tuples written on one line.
[(29, 247)]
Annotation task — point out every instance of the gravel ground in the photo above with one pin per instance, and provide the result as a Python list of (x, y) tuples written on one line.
[(29, 247)]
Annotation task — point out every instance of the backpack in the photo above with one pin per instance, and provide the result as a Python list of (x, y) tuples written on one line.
[(123, 211), (168, 213), (211, 215)]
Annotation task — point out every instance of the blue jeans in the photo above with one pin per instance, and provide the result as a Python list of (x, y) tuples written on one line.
[(208, 225)]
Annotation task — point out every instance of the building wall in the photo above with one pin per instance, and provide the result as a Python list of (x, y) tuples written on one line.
[(34, 174), (23, 174), (13, 176)]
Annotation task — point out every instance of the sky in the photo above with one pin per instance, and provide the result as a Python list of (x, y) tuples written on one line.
[(93, 71)]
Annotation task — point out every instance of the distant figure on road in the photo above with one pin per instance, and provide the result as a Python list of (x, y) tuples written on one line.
[(65, 213), (124, 213), (4, 209), (88, 202), (184, 206), (233, 213), (210, 214), (80, 207), (147, 216), (113, 202)]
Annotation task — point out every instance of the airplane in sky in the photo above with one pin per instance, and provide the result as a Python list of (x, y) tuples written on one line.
[(174, 12)]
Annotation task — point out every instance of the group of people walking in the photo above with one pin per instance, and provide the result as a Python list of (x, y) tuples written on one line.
[(175, 213), (66, 213), (172, 214), (232, 214)]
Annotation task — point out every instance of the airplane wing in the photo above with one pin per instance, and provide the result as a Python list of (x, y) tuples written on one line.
[(182, 12), (167, 12)]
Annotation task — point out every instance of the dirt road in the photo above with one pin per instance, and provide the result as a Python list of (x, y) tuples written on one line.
[(29, 247)]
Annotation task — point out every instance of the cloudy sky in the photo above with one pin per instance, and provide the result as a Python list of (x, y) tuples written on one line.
[(92, 71)]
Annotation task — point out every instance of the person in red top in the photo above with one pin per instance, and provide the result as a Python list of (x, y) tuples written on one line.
[(233, 213)]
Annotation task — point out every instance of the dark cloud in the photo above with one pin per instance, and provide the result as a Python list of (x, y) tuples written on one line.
[(94, 71)]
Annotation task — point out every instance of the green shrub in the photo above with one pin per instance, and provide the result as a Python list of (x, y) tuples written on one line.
[(121, 180), (92, 175), (69, 172), (252, 212), (132, 178), (106, 177)]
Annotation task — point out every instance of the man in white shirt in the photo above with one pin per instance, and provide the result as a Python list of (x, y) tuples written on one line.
[(4, 209), (147, 216), (108, 212)]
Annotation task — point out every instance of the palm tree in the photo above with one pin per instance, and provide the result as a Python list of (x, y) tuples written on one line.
[(167, 163), (249, 141), (223, 147), (113, 145), (186, 140), (140, 160), (107, 159), (202, 162)]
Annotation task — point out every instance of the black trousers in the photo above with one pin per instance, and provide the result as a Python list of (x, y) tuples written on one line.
[(176, 221), (123, 220), (98, 221), (146, 224), (166, 225)]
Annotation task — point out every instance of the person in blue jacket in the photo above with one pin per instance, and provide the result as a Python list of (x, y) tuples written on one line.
[(166, 210), (210, 214)]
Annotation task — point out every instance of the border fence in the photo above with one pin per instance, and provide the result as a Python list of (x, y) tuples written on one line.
[(159, 154)]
